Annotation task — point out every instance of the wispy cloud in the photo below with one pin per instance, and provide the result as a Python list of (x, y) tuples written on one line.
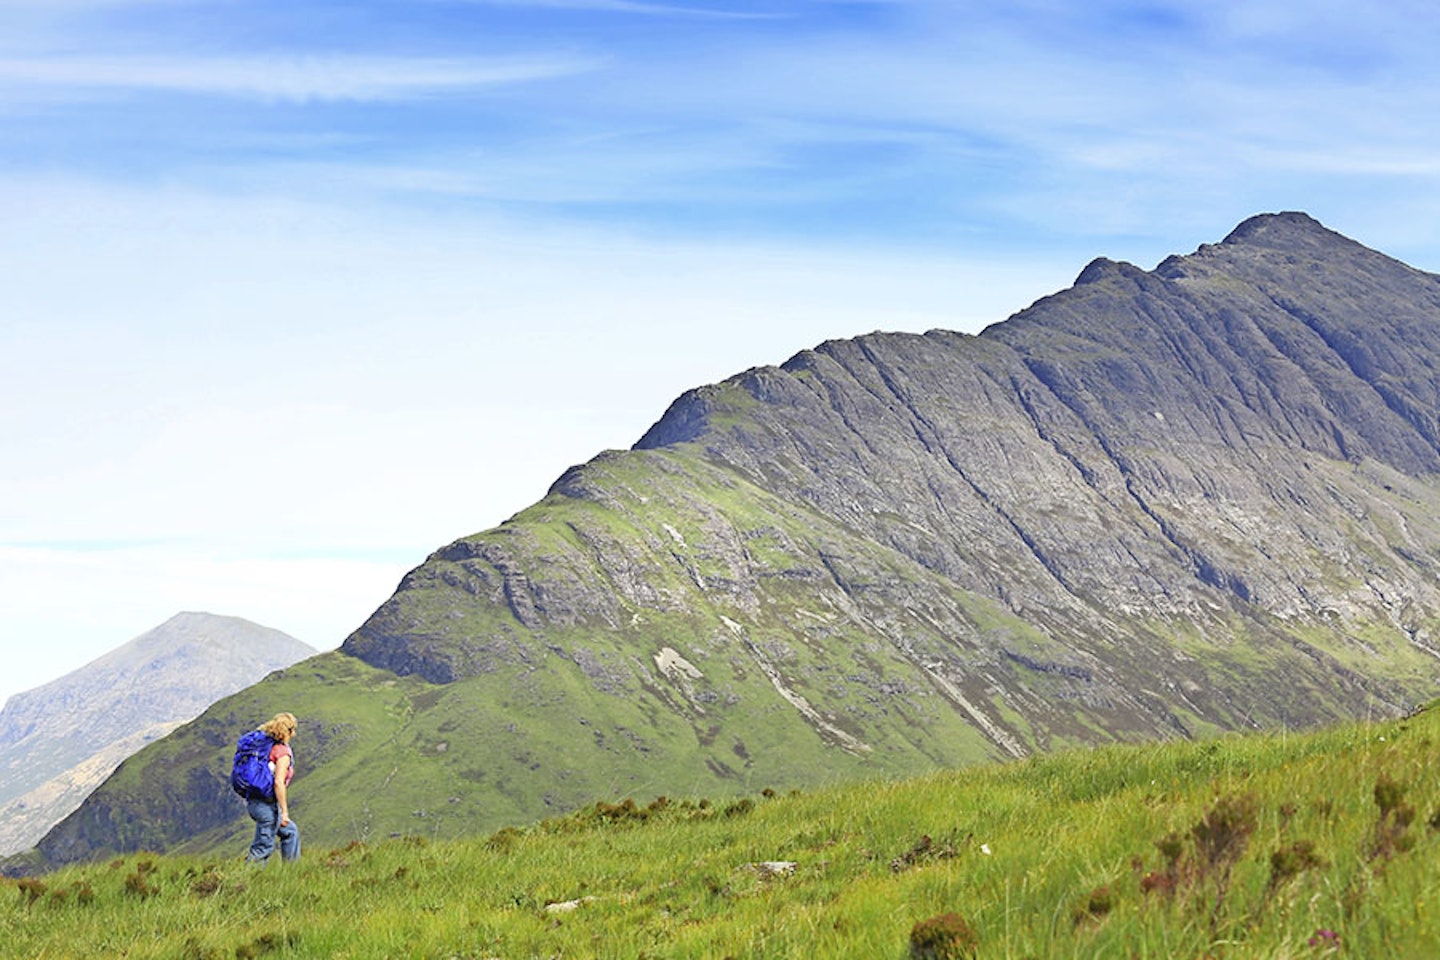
[(633, 7), (288, 78)]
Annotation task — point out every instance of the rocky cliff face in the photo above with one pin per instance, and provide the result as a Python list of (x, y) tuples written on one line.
[(60, 740), (1206, 491), (1158, 503)]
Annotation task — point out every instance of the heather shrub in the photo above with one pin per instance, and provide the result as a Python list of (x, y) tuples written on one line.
[(943, 937), (1391, 831)]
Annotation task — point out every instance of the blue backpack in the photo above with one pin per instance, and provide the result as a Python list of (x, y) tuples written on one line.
[(251, 776)]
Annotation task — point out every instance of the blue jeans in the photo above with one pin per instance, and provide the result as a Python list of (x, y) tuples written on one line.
[(266, 814)]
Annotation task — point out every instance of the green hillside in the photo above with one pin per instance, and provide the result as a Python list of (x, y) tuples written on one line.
[(1274, 846)]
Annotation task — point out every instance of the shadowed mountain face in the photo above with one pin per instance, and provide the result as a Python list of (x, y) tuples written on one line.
[(1161, 503)]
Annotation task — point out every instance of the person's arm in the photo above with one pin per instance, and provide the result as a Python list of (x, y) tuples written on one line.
[(282, 793)]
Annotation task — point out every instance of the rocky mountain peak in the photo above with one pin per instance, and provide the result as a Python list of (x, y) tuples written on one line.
[(1142, 441), (1291, 229), (1103, 268)]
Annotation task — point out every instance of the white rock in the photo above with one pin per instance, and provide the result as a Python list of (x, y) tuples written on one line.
[(567, 906), (774, 868)]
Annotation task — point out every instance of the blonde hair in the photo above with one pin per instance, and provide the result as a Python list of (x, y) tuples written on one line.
[(281, 728)]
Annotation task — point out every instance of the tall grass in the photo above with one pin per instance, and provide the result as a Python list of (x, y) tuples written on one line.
[(1315, 845)]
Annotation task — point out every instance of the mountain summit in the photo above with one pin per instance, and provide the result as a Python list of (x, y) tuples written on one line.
[(1216, 473), (1159, 503)]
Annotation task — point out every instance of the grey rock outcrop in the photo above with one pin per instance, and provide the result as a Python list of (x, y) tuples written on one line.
[(1208, 490)]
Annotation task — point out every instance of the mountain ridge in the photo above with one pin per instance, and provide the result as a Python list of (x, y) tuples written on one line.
[(1079, 423)]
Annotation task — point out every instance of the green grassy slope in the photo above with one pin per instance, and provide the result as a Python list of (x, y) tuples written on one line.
[(1279, 846)]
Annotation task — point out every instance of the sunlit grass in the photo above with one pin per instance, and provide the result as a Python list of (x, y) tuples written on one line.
[(1274, 842)]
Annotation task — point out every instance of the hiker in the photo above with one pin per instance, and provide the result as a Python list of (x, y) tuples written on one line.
[(272, 813)]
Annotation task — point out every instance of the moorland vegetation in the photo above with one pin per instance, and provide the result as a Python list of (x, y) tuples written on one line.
[(1273, 845)]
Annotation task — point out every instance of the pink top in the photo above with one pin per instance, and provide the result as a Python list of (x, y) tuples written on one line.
[(283, 750)]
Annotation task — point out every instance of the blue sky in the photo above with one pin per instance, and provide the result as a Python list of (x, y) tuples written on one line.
[(292, 293)]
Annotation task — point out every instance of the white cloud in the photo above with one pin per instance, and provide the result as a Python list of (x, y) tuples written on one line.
[(631, 6), (287, 78)]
